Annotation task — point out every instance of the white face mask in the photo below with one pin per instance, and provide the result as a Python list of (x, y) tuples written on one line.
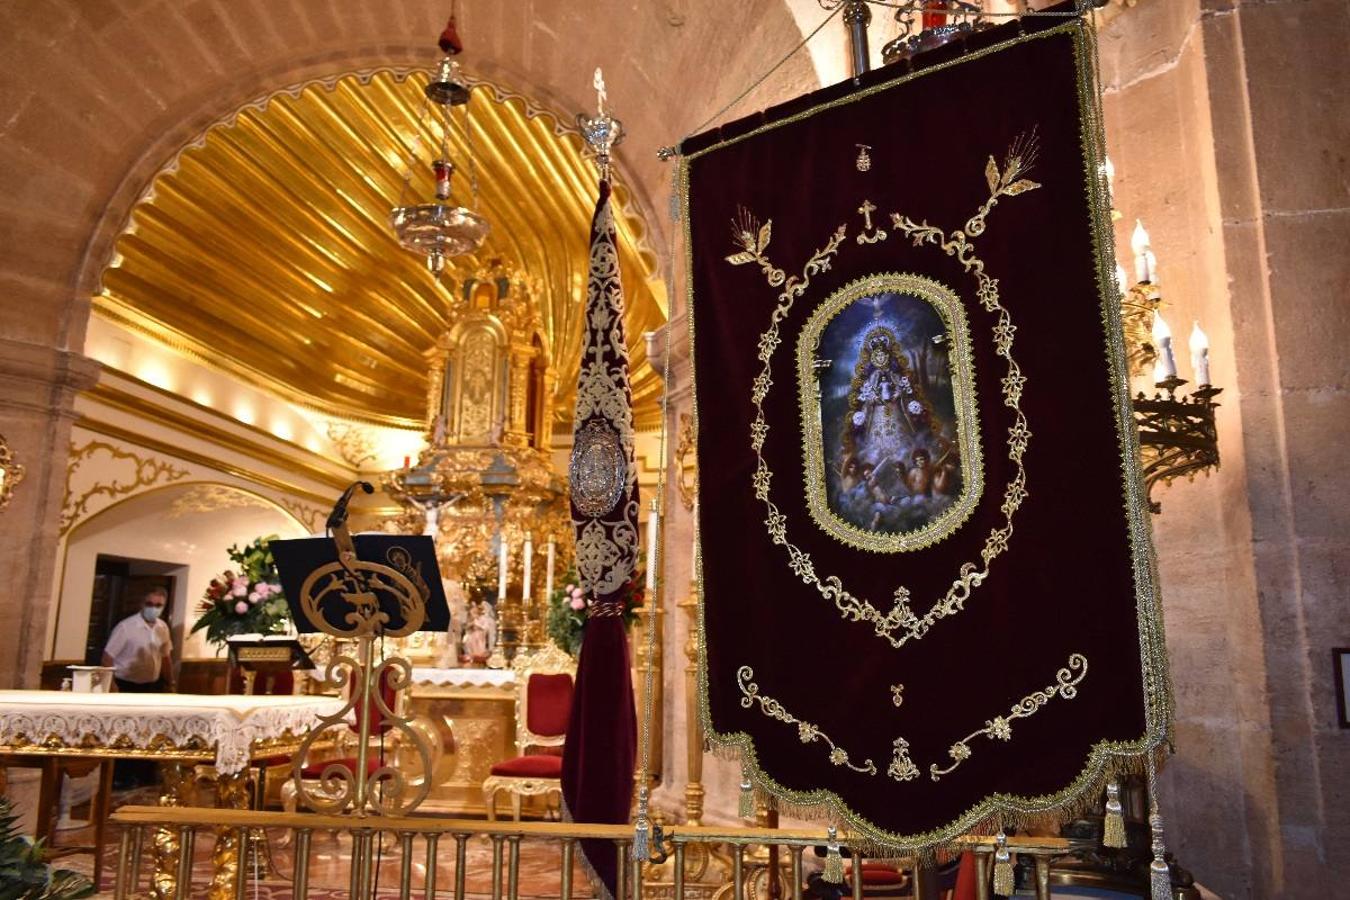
[(151, 613)]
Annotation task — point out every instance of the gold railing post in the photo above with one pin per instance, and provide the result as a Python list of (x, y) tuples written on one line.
[(797, 872), (1042, 876), (621, 871), (679, 871), (568, 848), (183, 881), (855, 876), (461, 854), (738, 872), (405, 841), (693, 788), (513, 866), (982, 886), (123, 857), (300, 878), (497, 866), (137, 844), (429, 883)]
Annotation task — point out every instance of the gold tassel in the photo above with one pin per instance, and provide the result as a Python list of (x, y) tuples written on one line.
[(834, 862), (1003, 867), (1113, 825), (1159, 874), (747, 807), (641, 847)]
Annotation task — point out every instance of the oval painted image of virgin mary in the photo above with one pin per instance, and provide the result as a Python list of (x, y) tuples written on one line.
[(888, 453)]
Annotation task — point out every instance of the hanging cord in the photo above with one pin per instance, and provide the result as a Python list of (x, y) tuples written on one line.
[(774, 68), (643, 847)]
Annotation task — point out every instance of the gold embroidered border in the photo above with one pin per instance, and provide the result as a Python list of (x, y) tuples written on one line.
[(962, 371), (1107, 758), (807, 733), (1000, 727)]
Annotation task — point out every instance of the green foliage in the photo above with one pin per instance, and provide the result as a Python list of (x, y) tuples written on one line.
[(568, 609), (248, 602), (24, 875)]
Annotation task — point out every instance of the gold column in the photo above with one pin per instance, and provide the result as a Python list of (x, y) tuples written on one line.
[(693, 726), (517, 432)]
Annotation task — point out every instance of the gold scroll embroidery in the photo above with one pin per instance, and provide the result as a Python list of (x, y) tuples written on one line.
[(806, 732), (999, 728)]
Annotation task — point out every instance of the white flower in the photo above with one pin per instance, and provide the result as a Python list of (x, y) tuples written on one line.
[(914, 407)]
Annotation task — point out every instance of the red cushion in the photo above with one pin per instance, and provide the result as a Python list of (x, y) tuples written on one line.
[(540, 766), (315, 770), (549, 704), (878, 873)]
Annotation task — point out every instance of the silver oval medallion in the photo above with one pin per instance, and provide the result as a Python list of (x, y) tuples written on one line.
[(598, 470)]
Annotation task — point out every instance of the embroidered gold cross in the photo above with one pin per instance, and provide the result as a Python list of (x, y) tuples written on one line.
[(876, 234), (867, 209)]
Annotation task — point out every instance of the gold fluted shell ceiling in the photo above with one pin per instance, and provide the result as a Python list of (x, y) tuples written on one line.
[(265, 249)]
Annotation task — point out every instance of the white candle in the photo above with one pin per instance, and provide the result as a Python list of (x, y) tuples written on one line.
[(1162, 339), (1145, 263), (600, 93), (548, 573), (1199, 344), (653, 514), (501, 566), (1109, 171), (1122, 280), (529, 565)]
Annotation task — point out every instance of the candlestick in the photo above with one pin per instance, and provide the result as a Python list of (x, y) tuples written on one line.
[(548, 572), (529, 564), (1199, 344), (1162, 338), (653, 515), (501, 566), (1145, 263)]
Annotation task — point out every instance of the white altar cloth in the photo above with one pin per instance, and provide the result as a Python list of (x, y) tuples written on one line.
[(463, 677), (229, 723)]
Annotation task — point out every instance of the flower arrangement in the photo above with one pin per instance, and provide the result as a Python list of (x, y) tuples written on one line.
[(568, 610), (248, 602)]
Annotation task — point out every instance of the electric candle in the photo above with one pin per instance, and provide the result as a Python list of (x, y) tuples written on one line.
[(600, 93), (1162, 339), (1200, 354), (1145, 263), (1122, 280)]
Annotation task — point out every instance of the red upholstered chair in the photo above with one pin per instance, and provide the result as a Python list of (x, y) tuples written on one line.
[(543, 706)]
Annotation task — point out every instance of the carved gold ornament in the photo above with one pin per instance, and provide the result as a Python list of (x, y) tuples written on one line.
[(686, 461), (11, 473), (147, 471)]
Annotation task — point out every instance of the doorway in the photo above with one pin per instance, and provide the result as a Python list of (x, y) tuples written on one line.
[(120, 585)]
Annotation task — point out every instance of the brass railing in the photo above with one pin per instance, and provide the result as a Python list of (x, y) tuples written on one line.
[(505, 839)]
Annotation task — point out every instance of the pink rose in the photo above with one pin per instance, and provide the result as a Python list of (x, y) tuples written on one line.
[(241, 607), (254, 597), (569, 588), (240, 590), (578, 603), (577, 594)]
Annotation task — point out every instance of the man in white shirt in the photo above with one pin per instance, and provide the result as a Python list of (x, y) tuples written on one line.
[(140, 649)]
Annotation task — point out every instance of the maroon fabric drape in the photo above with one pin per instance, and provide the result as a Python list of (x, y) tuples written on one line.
[(969, 571), (598, 757)]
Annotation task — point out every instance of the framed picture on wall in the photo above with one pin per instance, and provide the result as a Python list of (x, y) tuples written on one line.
[(1341, 660)]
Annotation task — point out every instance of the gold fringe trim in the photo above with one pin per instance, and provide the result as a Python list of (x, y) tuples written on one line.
[(1113, 824), (1003, 868)]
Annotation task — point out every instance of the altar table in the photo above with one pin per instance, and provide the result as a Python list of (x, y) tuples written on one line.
[(474, 710), (180, 731)]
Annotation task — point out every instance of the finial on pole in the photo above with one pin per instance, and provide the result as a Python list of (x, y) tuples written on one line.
[(602, 131)]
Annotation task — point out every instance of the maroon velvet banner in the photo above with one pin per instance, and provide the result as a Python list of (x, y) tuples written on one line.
[(598, 757), (928, 602)]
